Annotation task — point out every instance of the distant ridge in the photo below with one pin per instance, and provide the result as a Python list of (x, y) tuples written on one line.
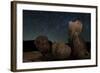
[(29, 46)]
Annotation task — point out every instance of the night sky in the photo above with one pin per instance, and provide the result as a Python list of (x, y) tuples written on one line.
[(54, 25)]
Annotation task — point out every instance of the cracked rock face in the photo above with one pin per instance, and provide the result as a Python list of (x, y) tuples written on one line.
[(78, 44), (61, 50)]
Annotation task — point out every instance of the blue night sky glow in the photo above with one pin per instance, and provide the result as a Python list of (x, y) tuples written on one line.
[(54, 25)]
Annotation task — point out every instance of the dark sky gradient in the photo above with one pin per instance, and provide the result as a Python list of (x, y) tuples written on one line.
[(54, 25)]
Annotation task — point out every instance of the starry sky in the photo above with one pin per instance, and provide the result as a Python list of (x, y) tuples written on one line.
[(54, 25)]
